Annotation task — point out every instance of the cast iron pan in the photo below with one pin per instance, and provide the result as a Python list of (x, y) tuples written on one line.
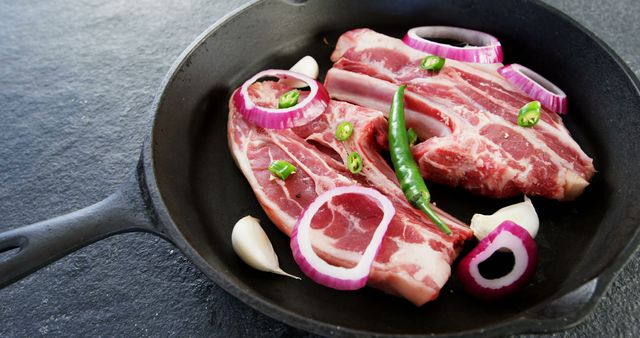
[(187, 189)]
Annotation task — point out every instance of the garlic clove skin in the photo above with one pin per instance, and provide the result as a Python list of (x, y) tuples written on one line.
[(251, 243), (307, 66), (523, 214)]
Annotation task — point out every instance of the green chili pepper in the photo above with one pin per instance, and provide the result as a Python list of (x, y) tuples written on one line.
[(289, 99), (411, 183), (529, 114), (344, 131), (354, 162), (412, 136), (432, 63), (281, 169)]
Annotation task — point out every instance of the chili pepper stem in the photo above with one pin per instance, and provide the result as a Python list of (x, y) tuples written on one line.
[(426, 208)]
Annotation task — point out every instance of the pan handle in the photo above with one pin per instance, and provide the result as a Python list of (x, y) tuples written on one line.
[(26, 249)]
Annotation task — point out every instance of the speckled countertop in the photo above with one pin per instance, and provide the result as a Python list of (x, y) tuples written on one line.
[(77, 79)]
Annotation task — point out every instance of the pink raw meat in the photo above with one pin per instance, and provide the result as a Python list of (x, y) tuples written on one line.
[(415, 257), (467, 116)]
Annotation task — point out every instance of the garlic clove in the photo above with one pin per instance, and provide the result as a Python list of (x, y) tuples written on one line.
[(251, 243), (307, 66), (523, 214)]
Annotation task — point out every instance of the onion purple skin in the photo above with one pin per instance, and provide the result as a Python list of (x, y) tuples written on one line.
[(300, 114), (317, 276), (489, 52), (535, 85), (527, 251), (338, 278)]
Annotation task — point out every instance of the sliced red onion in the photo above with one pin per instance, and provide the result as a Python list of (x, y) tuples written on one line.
[(484, 48), (536, 86), (320, 271), (300, 114), (511, 237)]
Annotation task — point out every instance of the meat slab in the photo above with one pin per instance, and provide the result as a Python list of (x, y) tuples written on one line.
[(415, 257), (467, 116)]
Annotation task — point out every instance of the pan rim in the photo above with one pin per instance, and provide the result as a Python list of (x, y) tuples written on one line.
[(518, 323)]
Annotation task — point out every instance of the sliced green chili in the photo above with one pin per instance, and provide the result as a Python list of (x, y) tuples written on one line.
[(289, 99), (354, 162), (529, 114), (411, 183), (432, 63), (281, 169), (344, 131), (412, 136)]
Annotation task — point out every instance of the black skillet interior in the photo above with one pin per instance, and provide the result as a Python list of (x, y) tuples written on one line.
[(206, 193)]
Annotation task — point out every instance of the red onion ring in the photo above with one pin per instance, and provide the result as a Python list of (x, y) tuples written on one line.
[(515, 239), (536, 86), (300, 114), (330, 275), (486, 48)]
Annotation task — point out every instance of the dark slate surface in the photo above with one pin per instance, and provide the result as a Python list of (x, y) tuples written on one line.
[(76, 81)]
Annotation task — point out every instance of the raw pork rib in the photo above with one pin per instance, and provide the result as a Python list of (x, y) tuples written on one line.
[(467, 115), (414, 259)]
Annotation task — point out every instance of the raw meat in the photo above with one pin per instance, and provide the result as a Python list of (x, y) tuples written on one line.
[(415, 257), (467, 116)]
